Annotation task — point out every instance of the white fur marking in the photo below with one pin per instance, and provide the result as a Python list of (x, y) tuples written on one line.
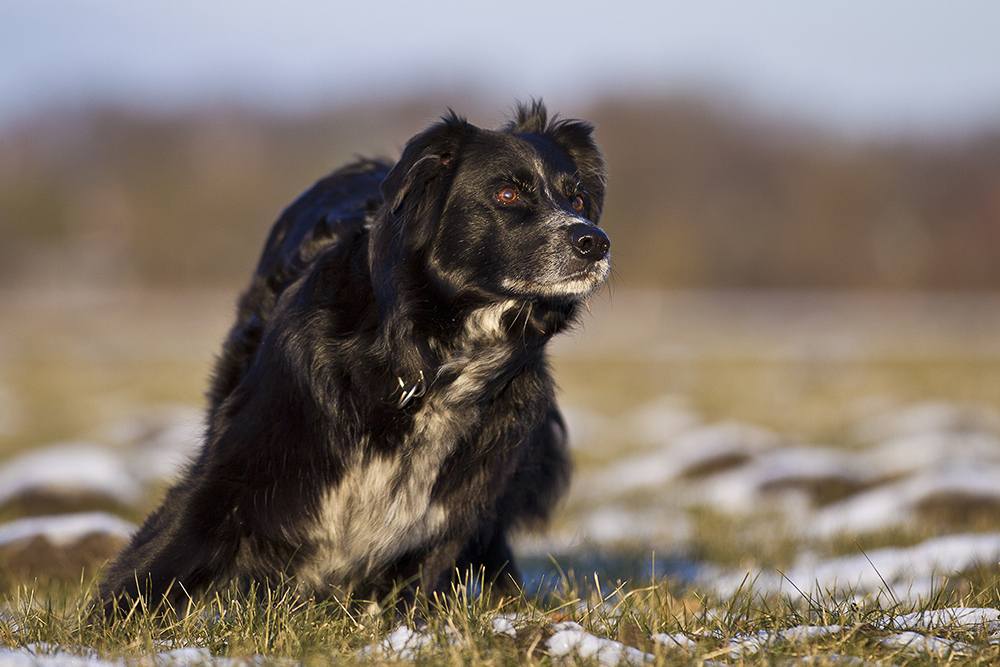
[(574, 286), (362, 526)]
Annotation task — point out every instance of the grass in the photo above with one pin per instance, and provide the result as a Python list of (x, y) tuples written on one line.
[(73, 364), (72, 369), (459, 628), (66, 398), (815, 402)]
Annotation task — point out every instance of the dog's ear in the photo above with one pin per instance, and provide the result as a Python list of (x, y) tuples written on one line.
[(426, 160), (573, 136), (413, 195), (414, 189)]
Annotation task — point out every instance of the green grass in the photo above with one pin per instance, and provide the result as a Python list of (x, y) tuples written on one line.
[(816, 401), (74, 371), (461, 626)]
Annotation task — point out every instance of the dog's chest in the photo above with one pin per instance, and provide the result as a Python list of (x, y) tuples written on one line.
[(384, 506), (380, 508)]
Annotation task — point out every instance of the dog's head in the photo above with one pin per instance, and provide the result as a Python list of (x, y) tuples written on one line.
[(488, 215)]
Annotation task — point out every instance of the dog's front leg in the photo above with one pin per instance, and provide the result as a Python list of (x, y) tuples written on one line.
[(488, 557)]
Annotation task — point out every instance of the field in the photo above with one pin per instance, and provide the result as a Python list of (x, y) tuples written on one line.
[(762, 477)]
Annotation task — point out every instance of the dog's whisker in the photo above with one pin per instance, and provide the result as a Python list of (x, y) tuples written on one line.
[(524, 327)]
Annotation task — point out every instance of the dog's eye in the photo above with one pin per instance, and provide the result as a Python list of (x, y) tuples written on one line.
[(577, 204), (506, 195)]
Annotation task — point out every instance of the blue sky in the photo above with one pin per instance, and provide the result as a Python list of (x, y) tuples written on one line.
[(853, 65)]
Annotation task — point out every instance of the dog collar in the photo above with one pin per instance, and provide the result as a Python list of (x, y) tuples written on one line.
[(418, 389)]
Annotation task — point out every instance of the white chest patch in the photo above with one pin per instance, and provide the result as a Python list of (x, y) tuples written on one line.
[(483, 353), (382, 508)]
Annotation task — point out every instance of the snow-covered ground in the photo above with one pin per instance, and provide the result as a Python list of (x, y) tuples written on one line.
[(119, 465), (645, 474), (908, 462), (905, 465), (916, 634), (913, 633), (896, 573), (63, 530)]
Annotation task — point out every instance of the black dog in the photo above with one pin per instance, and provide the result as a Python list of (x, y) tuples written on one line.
[(382, 414)]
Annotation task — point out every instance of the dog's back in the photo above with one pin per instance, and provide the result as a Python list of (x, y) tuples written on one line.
[(333, 211), (168, 553)]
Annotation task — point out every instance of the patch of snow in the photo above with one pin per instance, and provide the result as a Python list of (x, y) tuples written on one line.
[(685, 453), (565, 625), (748, 487), (827, 660), (749, 644), (699, 446), (586, 428), (949, 617), (65, 529), (801, 633), (806, 462), (866, 512), (754, 643), (572, 640), (45, 648), (70, 467), (160, 441), (26, 658), (638, 472), (403, 644), (929, 417), (919, 451), (934, 646), (894, 504), (504, 625), (676, 640), (56, 656), (775, 479), (406, 644), (189, 655), (148, 425), (929, 455), (912, 572), (613, 524)]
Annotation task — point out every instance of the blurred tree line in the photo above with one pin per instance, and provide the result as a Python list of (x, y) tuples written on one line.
[(699, 197)]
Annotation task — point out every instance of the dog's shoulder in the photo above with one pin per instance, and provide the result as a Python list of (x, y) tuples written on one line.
[(331, 218), (332, 209)]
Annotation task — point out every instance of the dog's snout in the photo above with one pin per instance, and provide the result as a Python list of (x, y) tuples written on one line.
[(589, 242)]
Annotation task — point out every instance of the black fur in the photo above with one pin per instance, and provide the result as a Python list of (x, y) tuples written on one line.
[(382, 412)]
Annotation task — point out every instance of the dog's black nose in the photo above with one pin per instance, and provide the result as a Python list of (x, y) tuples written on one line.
[(590, 242)]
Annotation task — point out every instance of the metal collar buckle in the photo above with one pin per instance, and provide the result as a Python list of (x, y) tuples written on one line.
[(416, 391)]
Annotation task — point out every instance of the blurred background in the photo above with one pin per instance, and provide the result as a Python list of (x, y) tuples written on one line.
[(804, 207), (765, 144)]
